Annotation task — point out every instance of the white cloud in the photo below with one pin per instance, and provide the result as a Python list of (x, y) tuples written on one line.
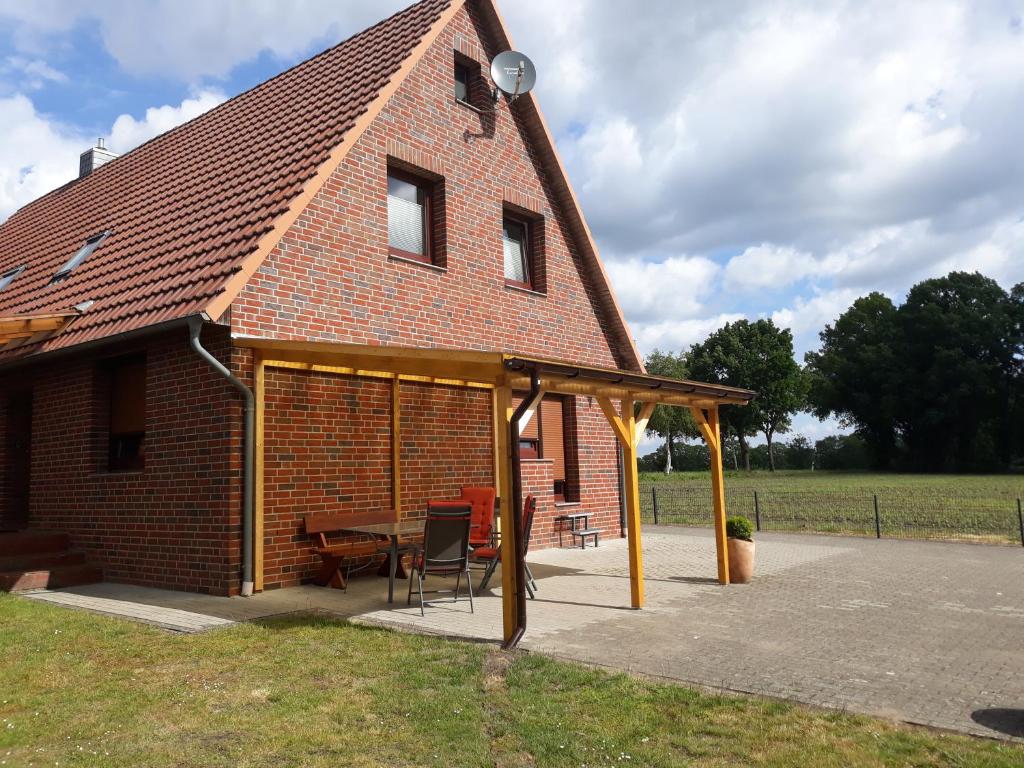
[(809, 315), (36, 154), (31, 74), (39, 153), (672, 288), (769, 266), (191, 39)]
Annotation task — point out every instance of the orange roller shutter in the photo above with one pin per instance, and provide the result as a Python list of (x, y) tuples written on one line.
[(553, 444)]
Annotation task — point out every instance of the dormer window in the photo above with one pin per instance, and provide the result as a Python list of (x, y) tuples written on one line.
[(8, 277), (81, 255)]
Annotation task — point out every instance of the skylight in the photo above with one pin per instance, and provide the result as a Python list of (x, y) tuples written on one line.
[(81, 255), (7, 277)]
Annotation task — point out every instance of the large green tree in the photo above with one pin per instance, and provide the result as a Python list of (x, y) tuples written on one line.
[(756, 356), (960, 352), (856, 374), (940, 377), (671, 423)]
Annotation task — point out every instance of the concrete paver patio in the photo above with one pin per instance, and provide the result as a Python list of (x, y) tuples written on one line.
[(925, 632)]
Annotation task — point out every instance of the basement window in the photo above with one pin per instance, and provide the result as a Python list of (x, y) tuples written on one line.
[(8, 277), (81, 255), (127, 426)]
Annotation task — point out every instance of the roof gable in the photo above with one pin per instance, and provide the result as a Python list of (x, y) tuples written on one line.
[(195, 211)]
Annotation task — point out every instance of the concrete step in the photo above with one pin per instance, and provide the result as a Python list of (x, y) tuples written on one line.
[(32, 542), (39, 561), (51, 578)]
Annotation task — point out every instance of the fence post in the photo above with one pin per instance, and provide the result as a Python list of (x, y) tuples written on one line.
[(654, 498), (757, 512), (1020, 521), (878, 519)]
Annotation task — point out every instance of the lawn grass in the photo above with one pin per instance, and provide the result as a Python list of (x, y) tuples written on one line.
[(966, 507), (86, 690)]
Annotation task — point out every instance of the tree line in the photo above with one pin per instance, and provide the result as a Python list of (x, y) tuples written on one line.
[(935, 384)]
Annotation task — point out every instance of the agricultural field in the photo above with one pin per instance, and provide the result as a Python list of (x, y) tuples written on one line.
[(981, 508)]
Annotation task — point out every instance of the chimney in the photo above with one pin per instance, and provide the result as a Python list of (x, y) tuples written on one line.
[(93, 158)]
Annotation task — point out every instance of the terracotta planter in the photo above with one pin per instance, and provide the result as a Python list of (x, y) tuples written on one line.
[(741, 561)]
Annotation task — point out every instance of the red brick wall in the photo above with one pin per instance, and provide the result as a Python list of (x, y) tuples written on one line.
[(327, 449), (331, 278), (174, 524), (446, 437)]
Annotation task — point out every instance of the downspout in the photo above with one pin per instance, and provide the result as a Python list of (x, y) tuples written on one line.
[(517, 510), (195, 326)]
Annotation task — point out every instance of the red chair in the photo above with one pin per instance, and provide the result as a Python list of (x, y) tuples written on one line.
[(481, 527), (491, 556)]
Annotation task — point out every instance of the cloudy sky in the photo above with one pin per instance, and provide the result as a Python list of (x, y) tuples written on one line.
[(762, 159)]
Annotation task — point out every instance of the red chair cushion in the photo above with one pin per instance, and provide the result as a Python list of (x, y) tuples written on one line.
[(481, 520)]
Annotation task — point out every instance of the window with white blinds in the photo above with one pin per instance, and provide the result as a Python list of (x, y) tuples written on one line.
[(516, 257), (408, 218)]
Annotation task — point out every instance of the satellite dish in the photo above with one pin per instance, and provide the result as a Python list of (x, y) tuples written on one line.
[(513, 74)]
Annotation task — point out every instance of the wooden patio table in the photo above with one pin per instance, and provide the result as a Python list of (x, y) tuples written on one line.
[(392, 530)]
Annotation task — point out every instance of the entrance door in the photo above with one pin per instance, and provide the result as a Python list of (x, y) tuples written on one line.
[(17, 461)]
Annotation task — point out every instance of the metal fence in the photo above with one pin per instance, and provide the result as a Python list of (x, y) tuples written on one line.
[(904, 514)]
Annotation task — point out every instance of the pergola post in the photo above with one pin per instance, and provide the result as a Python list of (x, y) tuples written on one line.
[(503, 454), (628, 430), (396, 446), (711, 430)]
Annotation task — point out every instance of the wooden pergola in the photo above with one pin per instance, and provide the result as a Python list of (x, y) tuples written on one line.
[(627, 400)]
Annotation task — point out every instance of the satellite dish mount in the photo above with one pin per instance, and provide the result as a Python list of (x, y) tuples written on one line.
[(513, 74)]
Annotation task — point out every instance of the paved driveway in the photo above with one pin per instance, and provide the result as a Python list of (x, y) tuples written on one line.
[(925, 632)]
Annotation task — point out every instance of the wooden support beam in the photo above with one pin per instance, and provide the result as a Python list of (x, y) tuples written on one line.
[(628, 431), (259, 387), (646, 411), (636, 559), (614, 420), (503, 397), (396, 447), (718, 494)]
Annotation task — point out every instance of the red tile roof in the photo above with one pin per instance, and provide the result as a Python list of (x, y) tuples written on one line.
[(188, 207)]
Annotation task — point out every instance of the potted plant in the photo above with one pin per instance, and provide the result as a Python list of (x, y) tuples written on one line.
[(740, 545)]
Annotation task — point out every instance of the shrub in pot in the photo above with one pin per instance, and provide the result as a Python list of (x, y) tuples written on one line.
[(740, 544)]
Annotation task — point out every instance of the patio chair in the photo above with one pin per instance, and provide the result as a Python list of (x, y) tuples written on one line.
[(492, 555), (445, 550), (481, 526)]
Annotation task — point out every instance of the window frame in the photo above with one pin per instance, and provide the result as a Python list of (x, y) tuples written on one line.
[(10, 275), (424, 189), (87, 249), (468, 83), (527, 252)]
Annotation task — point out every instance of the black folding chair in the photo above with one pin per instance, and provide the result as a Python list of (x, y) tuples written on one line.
[(492, 555), (445, 550)]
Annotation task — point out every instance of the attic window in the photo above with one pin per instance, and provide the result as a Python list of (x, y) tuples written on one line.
[(468, 83), (81, 255), (462, 83), (8, 277)]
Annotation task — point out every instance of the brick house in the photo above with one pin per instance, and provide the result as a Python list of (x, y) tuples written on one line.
[(371, 204)]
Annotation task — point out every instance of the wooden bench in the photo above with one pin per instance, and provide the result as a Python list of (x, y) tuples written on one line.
[(336, 554)]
